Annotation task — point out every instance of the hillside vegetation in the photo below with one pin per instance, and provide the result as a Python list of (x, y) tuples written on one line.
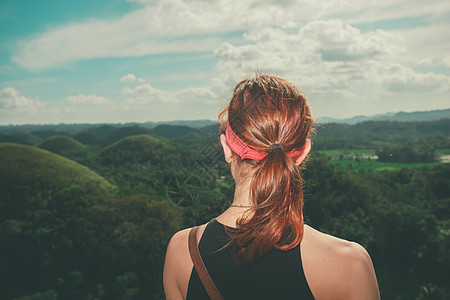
[(120, 133), (29, 170), (95, 224), (59, 144), (143, 149), (376, 134), (20, 137)]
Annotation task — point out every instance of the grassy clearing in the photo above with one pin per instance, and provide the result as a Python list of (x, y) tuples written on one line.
[(442, 151), (379, 166), (346, 151), (366, 159)]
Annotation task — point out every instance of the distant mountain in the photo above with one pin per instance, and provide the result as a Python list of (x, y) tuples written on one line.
[(192, 124), (108, 132), (431, 115), (45, 129), (99, 129)]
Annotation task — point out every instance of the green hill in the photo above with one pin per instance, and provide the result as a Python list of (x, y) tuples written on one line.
[(59, 144), (210, 130), (46, 133), (100, 131), (190, 138), (87, 138), (20, 137), (30, 171), (144, 149), (172, 131), (124, 132)]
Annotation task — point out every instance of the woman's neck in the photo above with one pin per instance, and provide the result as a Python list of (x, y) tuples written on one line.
[(241, 204), (242, 193)]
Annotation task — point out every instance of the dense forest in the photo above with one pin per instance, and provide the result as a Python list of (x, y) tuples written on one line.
[(86, 212)]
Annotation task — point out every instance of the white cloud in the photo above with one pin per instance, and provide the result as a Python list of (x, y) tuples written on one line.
[(402, 79), (140, 89), (311, 43), (430, 61), (131, 78), (328, 55), (190, 103), (186, 104), (336, 41), (341, 68), (87, 99), (435, 61), (446, 61), (424, 43), (150, 30), (186, 26), (12, 100), (128, 78), (143, 94), (162, 27)]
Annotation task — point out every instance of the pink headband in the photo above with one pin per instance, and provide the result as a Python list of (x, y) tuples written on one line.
[(239, 147)]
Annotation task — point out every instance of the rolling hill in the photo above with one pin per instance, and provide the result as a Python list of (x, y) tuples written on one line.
[(59, 144), (144, 149), (20, 137), (27, 170), (172, 131), (124, 132)]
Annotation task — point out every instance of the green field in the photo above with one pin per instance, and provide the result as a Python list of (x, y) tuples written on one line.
[(442, 151), (366, 159)]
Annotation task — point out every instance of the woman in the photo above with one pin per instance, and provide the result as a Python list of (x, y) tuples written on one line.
[(259, 247)]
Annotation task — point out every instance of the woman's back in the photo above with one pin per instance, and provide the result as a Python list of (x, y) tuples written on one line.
[(333, 269), (278, 275), (270, 254)]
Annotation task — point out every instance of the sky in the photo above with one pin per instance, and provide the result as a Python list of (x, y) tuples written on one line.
[(117, 61)]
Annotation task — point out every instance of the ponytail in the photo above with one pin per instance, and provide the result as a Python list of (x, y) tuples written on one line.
[(277, 219)]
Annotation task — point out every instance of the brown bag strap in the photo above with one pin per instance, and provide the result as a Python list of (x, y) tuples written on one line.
[(200, 267)]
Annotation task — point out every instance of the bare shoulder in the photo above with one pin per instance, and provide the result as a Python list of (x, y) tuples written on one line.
[(334, 247), (336, 268), (178, 241), (178, 264)]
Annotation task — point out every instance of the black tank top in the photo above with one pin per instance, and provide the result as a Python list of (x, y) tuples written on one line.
[(278, 275)]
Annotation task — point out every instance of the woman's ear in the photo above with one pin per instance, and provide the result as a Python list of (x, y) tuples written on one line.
[(305, 150), (226, 149)]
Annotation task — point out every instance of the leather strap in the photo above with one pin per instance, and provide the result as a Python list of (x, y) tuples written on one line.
[(200, 267)]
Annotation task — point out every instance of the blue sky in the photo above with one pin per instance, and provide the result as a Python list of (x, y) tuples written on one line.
[(135, 61)]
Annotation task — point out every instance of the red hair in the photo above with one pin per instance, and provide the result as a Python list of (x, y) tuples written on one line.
[(264, 111)]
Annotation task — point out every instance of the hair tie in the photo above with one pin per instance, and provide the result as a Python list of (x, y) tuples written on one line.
[(239, 147), (274, 147)]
